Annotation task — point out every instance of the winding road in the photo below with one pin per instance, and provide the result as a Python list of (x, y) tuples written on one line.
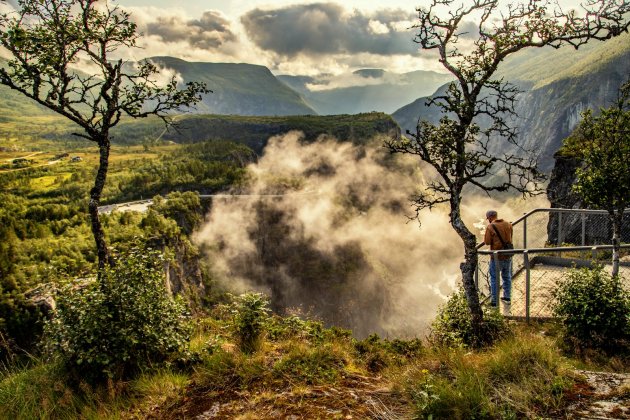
[(143, 205)]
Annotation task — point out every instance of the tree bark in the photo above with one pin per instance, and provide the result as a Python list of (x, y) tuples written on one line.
[(616, 217), (469, 265), (95, 199)]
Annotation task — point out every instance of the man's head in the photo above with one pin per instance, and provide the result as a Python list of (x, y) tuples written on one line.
[(491, 215)]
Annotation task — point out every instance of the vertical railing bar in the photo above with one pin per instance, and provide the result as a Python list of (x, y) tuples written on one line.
[(477, 275), (583, 229), (560, 233), (527, 285), (525, 232), (497, 276)]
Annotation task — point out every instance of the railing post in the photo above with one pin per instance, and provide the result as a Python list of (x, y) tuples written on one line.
[(477, 274), (527, 284), (560, 233), (583, 229), (497, 276), (525, 232), (593, 254)]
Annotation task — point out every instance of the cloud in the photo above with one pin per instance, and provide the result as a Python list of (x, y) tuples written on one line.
[(327, 28), (210, 31)]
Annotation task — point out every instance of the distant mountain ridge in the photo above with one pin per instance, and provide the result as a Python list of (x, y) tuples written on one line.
[(240, 89), (382, 91), (556, 85)]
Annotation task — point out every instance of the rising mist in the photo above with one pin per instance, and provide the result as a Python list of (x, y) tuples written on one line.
[(324, 230)]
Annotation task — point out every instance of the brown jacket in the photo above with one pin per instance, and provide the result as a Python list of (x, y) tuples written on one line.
[(491, 238)]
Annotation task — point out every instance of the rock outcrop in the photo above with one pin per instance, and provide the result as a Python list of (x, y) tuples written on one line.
[(575, 229)]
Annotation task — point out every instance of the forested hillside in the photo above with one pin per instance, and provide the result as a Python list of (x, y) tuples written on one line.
[(44, 230), (240, 89)]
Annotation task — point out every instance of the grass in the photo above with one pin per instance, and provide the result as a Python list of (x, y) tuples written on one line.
[(45, 183), (45, 392), (301, 369), (521, 377)]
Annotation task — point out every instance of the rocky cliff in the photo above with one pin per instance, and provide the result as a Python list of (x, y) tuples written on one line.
[(568, 228), (556, 86)]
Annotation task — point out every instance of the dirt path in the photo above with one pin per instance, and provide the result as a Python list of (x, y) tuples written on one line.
[(24, 157), (607, 396), (355, 397)]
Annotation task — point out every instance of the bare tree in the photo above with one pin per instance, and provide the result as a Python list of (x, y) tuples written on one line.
[(458, 148), (50, 40)]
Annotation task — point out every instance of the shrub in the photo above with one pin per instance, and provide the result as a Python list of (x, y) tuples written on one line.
[(379, 353), (594, 309), (295, 328), (311, 365), (251, 314), (453, 325), (120, 324)]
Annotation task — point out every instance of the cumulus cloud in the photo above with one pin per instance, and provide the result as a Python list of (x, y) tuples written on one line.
[(327, 28), (210, 31)]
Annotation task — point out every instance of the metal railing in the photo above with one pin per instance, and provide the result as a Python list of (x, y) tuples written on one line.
[(542, 254), (556, 226)]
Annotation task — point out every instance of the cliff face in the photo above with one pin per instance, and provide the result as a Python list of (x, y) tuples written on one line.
[(596, 229), (556, 86), (548, 114)]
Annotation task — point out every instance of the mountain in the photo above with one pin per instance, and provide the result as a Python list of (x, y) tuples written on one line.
[(556, 86), (241, 89), (364, 90)]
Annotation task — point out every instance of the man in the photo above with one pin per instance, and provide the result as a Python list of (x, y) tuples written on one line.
[(498, 233)]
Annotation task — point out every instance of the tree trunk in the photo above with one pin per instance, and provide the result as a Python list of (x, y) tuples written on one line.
[(95, 199), (616, 218), (469, 265)]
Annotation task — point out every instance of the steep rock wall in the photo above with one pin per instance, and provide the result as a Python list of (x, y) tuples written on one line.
[(597, 228)]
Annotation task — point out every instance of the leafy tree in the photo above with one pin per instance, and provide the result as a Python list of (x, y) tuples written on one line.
[(125, 323), (183, 207), (603, 144), (50, 39), (460, 148)]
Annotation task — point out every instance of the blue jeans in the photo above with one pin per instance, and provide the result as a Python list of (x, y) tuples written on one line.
[(505, 267)]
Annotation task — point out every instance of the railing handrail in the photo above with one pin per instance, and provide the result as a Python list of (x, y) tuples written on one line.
[(561, 210), (555, 210), (554, 249)]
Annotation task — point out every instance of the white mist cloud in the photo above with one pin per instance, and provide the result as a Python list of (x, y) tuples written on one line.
[(338, 244), (344, 218)]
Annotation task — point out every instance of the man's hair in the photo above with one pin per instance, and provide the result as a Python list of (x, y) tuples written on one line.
[(491, 213)]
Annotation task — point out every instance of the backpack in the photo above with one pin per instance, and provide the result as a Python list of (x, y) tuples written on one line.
[(506, 245)]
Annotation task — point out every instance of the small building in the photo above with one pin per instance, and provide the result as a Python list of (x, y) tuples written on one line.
[(76, 159)]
